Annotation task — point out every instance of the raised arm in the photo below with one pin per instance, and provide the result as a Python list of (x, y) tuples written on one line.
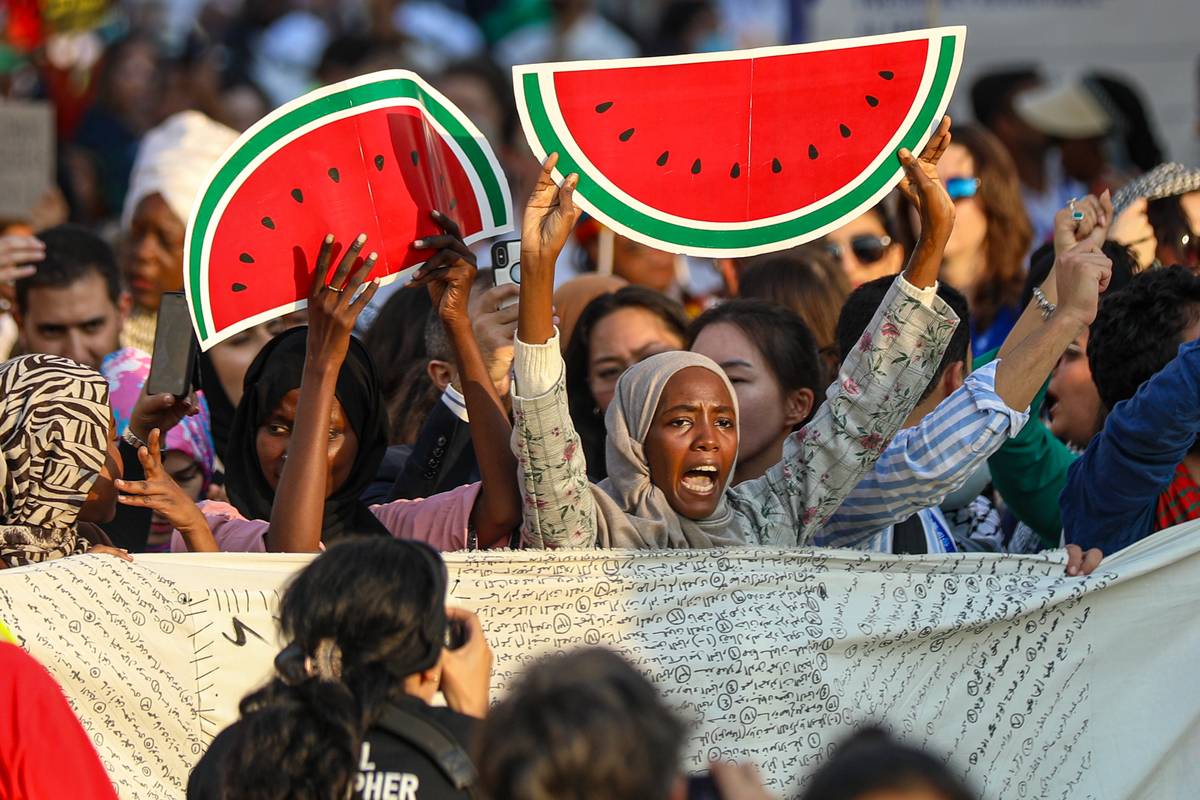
[(559, 510), (299, 509), (449, 275), (880, 382)]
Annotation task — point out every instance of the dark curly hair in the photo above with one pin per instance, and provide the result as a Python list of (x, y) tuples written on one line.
[(786, 343), (382, 601), (1139, 330), (583, 725), (871, 762), (588, 423)]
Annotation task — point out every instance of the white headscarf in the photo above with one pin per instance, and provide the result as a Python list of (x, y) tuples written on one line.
[(631, 511), (174, 160)]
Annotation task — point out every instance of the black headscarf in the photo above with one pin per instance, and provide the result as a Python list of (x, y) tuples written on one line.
[(220, 408), (277, 370)]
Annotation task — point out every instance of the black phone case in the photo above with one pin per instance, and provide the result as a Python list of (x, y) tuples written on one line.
[(174, 365)]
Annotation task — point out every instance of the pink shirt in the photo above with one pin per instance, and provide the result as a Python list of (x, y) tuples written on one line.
[(440, 521)]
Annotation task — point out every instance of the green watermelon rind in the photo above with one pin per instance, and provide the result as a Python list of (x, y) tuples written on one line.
[(753, 237), (296, 119)]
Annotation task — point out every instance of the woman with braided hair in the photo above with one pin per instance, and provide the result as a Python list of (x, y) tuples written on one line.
[(348, 714)]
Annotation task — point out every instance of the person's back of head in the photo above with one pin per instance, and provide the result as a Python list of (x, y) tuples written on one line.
[(864, 301), (992, 93), (396, 342), (872, 764), (583, 725), (73, 305), (811, 284), (1139, 330), (361, 618)]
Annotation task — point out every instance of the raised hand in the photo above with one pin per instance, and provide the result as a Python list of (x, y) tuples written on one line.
[(1097, 214), (550, 216), (1082, 274), (162, 411), (19, 256), (927, 163), (924, 189), (449, 273), (333, 306), (495, 324), (160, 493)]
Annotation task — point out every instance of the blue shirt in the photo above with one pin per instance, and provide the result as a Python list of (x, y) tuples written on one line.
[(1112, 490), (922, 465)]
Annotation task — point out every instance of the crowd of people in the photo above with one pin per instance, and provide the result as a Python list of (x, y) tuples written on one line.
[(1001, 356)]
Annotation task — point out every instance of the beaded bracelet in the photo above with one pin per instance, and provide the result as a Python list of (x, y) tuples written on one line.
[(1044, 304)]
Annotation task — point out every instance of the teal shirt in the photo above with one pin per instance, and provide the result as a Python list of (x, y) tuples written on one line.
[(1030, 470)]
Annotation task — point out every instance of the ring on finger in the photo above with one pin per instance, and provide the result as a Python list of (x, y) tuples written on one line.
[(334, 289), (1076, 214)]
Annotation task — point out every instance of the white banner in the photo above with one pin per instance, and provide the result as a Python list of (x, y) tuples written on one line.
[(1032, 683)]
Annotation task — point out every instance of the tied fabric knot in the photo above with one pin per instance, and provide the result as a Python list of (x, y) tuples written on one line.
[(296, 667)]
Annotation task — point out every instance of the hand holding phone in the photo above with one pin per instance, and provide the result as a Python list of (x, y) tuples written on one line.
[(506, 266)]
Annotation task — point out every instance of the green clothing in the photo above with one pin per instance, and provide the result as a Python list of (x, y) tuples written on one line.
[(1030, 470)]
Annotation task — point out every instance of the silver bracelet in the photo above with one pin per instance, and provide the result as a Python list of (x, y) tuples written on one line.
[(133, 440), (1045, 305)]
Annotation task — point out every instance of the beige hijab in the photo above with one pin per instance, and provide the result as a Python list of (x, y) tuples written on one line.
[(630, 510)]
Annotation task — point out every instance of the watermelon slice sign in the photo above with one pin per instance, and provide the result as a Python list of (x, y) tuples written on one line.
[(374, 154), (745, 152)]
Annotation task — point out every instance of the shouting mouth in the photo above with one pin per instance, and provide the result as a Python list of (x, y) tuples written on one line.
[(700, 480)]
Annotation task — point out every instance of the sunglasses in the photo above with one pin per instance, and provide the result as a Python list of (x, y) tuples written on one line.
[(962, 188), (866, 248)]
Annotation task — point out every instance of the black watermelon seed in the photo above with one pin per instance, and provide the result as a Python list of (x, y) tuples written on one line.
[(379, 163), (662, 160), (845, 131), (416, 159), (626, 135), (776, 166), (333, 174), (887, 74), (735, 171), (239, 287), (267, 222), (246, 258), (600, 109), (696, 167), (298, 195), (812, 152), (453, 204), (872, 101)]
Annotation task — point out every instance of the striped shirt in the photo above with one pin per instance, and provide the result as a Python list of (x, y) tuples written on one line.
[(925, 463)]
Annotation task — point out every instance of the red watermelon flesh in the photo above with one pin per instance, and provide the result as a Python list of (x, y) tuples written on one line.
[(358, 174), (676, 136)]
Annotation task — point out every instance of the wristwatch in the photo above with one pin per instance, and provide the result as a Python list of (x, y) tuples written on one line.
[(133, 440)]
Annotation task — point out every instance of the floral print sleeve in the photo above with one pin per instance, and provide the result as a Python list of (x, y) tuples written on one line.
[(879, 384), (559, 510)]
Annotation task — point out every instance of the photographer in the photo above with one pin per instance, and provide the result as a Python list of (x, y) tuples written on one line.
[(348, 713)]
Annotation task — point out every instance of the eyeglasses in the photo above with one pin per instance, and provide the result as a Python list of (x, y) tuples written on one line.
[(962, 188), (866, 248)]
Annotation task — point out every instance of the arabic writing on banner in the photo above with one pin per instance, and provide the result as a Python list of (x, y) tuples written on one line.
[(1032, 683)]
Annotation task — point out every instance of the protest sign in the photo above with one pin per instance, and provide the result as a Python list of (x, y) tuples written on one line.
[(27, 153), (1031, 683), (742, 152), (375, 155)]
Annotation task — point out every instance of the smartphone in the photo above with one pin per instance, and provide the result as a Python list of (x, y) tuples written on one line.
[(173, 366), (702, 787), (506, 265)]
